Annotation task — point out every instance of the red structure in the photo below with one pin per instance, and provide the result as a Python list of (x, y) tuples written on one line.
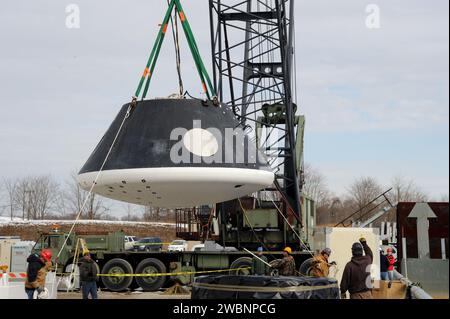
[(407, 228)]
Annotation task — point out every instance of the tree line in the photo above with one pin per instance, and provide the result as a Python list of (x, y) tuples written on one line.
[(332, 208), (42, 197)]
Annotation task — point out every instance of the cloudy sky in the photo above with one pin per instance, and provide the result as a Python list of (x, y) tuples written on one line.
[(376, 100)]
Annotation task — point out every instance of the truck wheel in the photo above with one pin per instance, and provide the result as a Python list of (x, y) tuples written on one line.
[(117, 266), (305, 267), (151, 266), (242, 262)]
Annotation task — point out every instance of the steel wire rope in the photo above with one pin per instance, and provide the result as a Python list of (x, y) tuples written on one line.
[(127, 114), (293, 230), (176, 41), (253, 230)]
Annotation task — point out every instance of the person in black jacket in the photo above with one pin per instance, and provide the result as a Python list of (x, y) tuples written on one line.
[(88, 277), (384, 264), (35, 263), (356, 277)]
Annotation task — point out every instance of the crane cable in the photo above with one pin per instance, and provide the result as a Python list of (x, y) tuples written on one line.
[(147, 74), (176, 41), (293, 230), (127, 114), (261, 242)]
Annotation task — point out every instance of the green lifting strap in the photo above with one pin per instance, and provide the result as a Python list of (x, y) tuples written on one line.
[(151, 63)]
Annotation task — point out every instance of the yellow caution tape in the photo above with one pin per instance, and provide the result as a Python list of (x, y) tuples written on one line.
[(172, 273)]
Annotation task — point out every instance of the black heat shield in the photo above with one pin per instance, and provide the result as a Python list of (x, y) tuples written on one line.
[(206, 287), (144, 140)]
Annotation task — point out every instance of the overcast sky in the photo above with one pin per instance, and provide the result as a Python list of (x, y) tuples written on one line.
[(376, 100)]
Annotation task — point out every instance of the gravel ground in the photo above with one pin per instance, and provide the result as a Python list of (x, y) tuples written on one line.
[(125, 295)]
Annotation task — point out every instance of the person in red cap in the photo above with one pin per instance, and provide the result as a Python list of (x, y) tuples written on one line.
[(392, 261), (38, 266)]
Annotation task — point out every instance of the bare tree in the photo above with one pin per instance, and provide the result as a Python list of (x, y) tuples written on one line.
[(75, 197), (44, 193), (404, 190), (133, 211), (326, 213), (131, 218), (36, 196), (3, 206), (129, 210), (335, 211), (95, 207), (108, 216), (315, 185), (61, 210), (147, 214), (10, 187), (151, 214), (362, 191), (22, 196)]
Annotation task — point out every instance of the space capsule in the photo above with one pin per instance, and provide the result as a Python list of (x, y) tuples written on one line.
[(175, 153)]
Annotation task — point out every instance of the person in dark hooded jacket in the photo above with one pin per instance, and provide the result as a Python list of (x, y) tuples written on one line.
[(356, 276), (88, 277), (35, 263), (38, 265)]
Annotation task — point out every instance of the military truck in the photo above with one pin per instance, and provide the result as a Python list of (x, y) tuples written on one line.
[(108, 250)]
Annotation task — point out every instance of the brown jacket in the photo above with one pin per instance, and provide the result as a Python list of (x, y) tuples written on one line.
[(40, 280), (320, 266), (286, 266)]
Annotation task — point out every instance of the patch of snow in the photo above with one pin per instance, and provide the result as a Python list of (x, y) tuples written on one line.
[(17, 221)]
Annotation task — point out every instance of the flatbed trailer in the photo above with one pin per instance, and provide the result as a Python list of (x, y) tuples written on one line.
[(120, 269)]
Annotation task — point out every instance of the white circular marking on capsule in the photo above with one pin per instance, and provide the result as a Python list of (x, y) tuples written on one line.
[(200, 142)]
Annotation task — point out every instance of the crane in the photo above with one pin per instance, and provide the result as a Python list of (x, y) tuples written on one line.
[(253, 57)]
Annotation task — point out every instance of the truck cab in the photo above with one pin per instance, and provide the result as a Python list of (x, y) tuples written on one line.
[(54, 241), (98, 244)]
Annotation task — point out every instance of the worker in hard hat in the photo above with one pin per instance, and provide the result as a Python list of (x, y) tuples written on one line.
[(286, 265), (88, 276), (320, 265), (356, 276), (38, 266), (259, 263), (392, 261), (42, 292)]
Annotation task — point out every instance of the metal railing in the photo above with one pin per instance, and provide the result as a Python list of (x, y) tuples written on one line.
[(416, 291)]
